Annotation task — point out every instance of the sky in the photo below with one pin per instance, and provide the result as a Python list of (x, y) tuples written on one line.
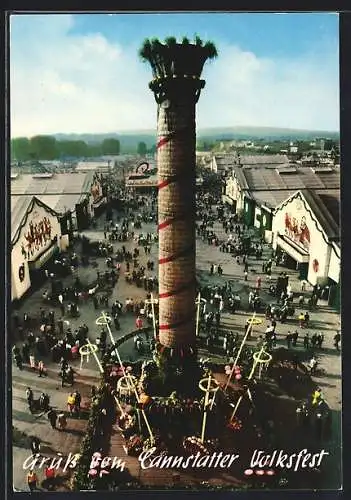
[(81, 73)]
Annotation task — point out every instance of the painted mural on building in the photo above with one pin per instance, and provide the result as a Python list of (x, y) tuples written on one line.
[(297, 230), (37, 236)]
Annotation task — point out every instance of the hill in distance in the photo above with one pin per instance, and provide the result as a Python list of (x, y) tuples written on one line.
[(130, 139)]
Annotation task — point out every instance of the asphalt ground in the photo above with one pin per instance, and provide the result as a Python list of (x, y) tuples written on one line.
[(323, 320)]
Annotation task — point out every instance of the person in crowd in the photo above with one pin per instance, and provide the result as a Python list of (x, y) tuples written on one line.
[(337, 338), (320, 340), (32, 362), (317, 396), (19, 360), (306, 341), (61, 421), (41, 369), (35, 445), (71, 401), (139, 323), (30, 399), (69, 376), (32, 480), (50, 477), (295, 336), (301, 320), (77, 401), (313, 365), (52, 417)]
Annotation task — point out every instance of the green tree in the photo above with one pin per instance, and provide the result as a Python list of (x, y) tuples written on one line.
[(43, 147), (94, 149), (152, 149), (142, 149), (76, 149), (110, 146), (20, 149)]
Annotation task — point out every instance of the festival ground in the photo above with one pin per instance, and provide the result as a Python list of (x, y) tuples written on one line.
[(283, 400)]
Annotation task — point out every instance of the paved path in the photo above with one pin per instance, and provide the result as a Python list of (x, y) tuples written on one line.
[(324, 319)]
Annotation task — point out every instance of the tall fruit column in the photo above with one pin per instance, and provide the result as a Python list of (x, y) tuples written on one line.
[(177, 86)]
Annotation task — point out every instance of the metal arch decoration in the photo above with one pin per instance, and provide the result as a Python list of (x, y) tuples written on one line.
[(262, 358), (254, 321), (127, 384), (85, 351), (143, 168), (103, 320), (212, 386)]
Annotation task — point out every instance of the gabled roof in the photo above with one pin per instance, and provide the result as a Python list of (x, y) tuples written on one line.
[(270, 199), (21, 208), (324, 208)]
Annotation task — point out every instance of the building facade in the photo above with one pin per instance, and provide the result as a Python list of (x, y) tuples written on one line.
[(255, 191), (35, 238), (307, 230), (65, 193)]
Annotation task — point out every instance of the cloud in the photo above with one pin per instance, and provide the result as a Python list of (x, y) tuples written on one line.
[(84, 83), (301, 93)]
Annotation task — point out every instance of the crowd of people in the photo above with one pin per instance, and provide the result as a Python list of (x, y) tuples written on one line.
[(48, 337)]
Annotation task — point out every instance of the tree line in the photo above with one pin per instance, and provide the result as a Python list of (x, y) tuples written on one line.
[(46, 147)]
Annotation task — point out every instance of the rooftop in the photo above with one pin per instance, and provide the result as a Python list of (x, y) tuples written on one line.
[(326, 206), (263, 159), (292, 178), (270, 199), (54, 184)]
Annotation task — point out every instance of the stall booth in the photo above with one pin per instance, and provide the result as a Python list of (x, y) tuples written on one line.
[(35, 240), (305, 228)]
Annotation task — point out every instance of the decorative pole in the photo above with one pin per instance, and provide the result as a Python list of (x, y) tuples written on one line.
[(198, 302), (87, 349), (105, 320), (152, 301), (212, 386), (257, 359), (177, 85), (205, 409), (249, 330)]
